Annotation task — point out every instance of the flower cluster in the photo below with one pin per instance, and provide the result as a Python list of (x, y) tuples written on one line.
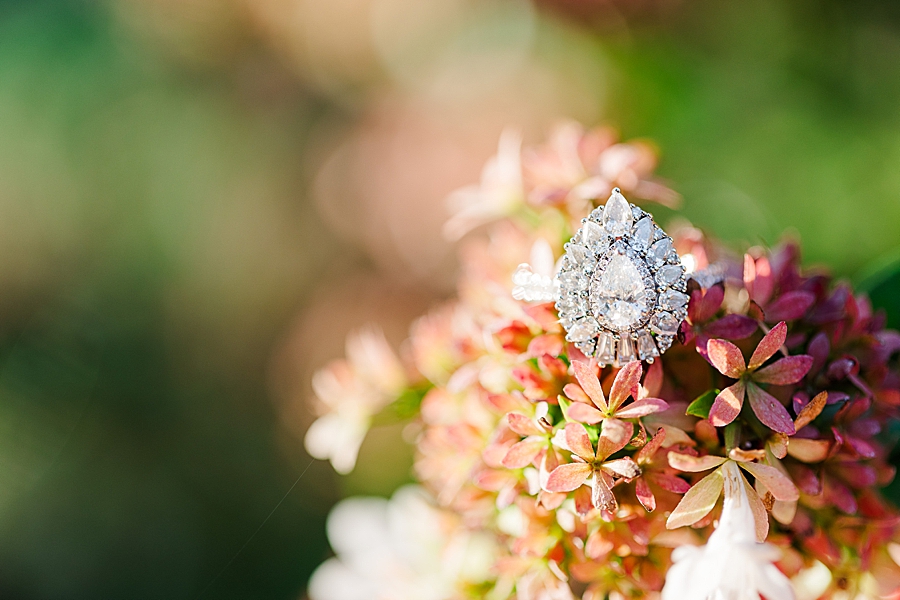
[(747, 461)]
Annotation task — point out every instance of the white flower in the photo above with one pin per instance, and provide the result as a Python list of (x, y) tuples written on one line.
[(401, 549), (350, 393), (732, 565), (498, 195)]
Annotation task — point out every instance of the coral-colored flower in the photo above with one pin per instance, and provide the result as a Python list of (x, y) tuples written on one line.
[(499, 194), (594, 464), (591, 405), (728, 360), (350, 393)]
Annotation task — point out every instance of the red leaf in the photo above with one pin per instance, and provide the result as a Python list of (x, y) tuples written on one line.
[(727, 405), (726, 358), (670, 483), (768, 346), (786, 371), (644, 495), (732, 327), (769, 410), (790, 306), (705, 304)]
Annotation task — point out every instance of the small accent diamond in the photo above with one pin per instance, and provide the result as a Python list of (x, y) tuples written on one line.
[(672, 300), (583, 330), (626, 350), (617, 217), (606, 351), (664, 323)]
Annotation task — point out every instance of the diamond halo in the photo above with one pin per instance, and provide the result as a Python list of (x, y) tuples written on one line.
[(622, 287)]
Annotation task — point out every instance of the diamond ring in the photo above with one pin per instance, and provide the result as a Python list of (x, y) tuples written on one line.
[(621, 288)]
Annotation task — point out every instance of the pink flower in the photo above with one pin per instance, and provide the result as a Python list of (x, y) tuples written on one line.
[(499, 194)]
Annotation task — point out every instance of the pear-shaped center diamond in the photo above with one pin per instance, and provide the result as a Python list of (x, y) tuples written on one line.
[(618, 294)]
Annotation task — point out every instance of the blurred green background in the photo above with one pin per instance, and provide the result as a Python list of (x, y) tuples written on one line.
[(199, 198)]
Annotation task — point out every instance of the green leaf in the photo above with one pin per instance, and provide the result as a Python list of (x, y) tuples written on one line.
[(409, 402), (593, 432), (700, 407), (732, 435), (564, 404)]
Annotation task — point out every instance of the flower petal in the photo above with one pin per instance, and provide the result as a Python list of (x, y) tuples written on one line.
[(810, 411), (705, 304), (698, 501), (523, 453), (732, 327), (653, 379), (769, 410), (614, 435), (694, 464), (645, 495), (642, 408), (523, 425), (769, 345), (790, 306), (645, 454), (602, 496), (623, 467), (626, 383), (777, 482), (727, 405), (669, 483), (578, 441), (573, 392), (586, 374), (808, 451), (786, 371), (566, 478), (726, 358), (760, 515), (758, 278), (584, 413)]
